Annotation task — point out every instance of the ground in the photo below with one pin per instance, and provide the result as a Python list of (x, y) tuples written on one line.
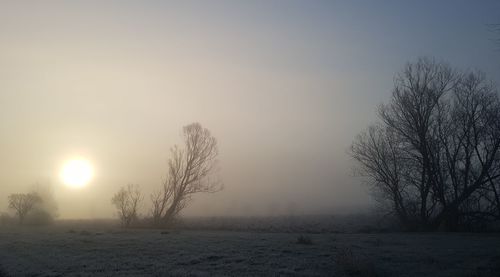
[(94, 251)]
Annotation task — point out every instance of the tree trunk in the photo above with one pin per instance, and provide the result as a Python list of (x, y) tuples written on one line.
[(169, 215)]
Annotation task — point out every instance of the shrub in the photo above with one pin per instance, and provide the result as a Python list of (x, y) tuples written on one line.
[(39, 217), (6, 219), (304, 240)]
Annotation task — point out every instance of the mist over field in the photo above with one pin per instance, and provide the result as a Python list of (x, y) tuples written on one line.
[(284, 90), (320, 129)]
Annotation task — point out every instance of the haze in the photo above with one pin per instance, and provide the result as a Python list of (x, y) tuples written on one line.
[(283, 86)]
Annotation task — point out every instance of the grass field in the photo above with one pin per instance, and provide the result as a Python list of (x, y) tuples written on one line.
[(62, 250)]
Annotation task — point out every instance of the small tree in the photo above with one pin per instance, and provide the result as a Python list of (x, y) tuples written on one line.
[(23, 203), (189, 171), (126, 201)]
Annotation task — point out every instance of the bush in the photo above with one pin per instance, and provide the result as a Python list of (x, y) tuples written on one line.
[(39, 217), (304, 240), (6, 219)]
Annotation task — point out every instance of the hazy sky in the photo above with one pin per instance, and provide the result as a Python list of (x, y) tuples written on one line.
[(283, 85)]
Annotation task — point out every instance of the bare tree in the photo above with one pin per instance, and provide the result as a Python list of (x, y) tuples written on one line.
[(190, 171), (435, 154), (158, 205), (45, 211), (23, 203), (127, 201)]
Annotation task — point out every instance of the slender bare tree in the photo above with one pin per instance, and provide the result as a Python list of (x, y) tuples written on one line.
[(190, 171), (435, 154), (23, 203), (127, 201)]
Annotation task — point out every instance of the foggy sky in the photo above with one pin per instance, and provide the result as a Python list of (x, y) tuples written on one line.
[(284, 86)]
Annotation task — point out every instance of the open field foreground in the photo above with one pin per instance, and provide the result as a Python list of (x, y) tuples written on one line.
[(62, 251)]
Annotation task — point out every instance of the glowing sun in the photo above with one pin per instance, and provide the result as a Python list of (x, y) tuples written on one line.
[(76, 173)]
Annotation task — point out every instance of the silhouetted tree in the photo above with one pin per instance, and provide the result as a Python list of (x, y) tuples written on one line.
[(45, 211), (435, 154), (23, 203), (189, 171), (127, 201)]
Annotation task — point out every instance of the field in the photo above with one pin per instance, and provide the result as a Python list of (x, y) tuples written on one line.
[(91, 250)]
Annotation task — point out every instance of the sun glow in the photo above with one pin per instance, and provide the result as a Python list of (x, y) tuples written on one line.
[(76, 173)]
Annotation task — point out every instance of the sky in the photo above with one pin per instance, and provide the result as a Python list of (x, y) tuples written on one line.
[(284, 86)]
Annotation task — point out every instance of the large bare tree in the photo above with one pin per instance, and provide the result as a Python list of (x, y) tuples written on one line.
[(23, 203), (127, 201), (435, 154), (190, 171)]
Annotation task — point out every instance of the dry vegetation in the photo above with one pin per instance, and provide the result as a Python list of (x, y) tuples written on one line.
[(102, 248)]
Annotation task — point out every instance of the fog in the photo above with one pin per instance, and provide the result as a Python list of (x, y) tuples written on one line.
[(284, 88)]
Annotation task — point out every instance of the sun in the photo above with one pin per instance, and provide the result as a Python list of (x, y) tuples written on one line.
[(76, 173)]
